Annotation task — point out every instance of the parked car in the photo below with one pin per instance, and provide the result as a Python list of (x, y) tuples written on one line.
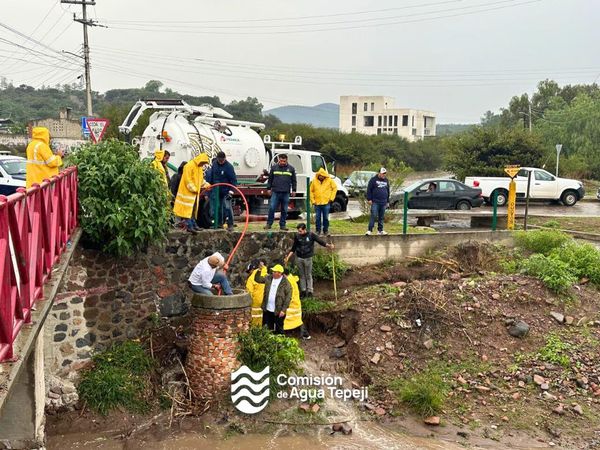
[(357, 182), (438, 194), (598, 194), (544, 186), (12, 173)]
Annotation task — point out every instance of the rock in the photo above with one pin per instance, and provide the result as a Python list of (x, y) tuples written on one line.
[(549, 396), (337, 427), (560, 410), (539, 380), (496, 296), (582, 382), (428, 344), (569, 320), (484, 358), (173, 306), (463, 434), (519, 329), (544, 386), (337, 353), (376, 358), (385, 328), (370, 406), (315, 408), (400, 284), (461, 380), (340, 344), (346, 429), (483, 388), (380, 411), (304, 407), (504, 419), (577, 408), (389, 345), (560, 318), (516, 396), (433, 420)]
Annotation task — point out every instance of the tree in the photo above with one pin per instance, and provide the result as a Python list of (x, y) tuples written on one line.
[(485, 151)]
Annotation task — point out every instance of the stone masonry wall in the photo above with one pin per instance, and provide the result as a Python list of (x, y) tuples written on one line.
[(104, 300)]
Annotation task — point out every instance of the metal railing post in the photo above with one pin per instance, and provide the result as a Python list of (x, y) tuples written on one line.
[(308, 204), (495, 211), (216, 208), (405, 214)]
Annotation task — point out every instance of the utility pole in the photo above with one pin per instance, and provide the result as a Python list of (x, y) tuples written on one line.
[(529, 105), (86, 48)]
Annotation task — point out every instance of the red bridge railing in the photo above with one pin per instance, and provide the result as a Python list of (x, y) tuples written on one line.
[(35, 226)]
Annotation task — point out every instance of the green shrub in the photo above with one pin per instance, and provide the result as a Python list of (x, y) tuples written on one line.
[(119, 377), (541, 241), (551, 224), (424, 393), (123, 201), (323, 266), (260, 348), (555, 351), (583, 259), (556, 274), (311, 305)]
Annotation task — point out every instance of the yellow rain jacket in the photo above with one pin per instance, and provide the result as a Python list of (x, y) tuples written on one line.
[(157, 164), (322, 192), (41, 162), (293, 316), (257, 291), (192, 180)]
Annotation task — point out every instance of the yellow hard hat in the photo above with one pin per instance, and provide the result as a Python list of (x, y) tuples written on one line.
[(277, 268)]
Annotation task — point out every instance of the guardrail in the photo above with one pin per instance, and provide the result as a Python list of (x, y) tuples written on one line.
[(35, 226)]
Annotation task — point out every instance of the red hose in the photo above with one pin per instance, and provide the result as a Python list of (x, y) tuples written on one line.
[(247, 216)]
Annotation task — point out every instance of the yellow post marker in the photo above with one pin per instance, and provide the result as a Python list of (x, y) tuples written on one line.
[(512, 172)]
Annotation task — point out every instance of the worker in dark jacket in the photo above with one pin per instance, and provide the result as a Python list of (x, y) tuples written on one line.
[(378, 196), (222, 171), (304, 249), (282, 181), (276, 299)]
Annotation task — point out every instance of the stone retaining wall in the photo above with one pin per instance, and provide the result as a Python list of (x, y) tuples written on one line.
[(105, 300)]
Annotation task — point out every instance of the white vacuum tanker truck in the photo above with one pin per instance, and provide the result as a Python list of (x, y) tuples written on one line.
[(186, 131)]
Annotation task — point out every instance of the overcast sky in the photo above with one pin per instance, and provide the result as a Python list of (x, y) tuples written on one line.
[(458, 58)]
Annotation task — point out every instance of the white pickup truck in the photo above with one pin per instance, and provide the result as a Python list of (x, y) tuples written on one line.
[(544, 186)]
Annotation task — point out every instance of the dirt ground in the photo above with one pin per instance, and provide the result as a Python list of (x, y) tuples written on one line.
[(450, 311)]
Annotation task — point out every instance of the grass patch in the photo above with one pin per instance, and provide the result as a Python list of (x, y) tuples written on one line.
[(582, 224), (541, 241), (119, 378), (425, 393), (311, 305), (555, 351), (557, 275)]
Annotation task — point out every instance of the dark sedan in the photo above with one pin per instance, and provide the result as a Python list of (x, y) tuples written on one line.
[(439, 194)]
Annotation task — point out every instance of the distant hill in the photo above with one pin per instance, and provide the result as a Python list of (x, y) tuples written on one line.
[(325, 115)]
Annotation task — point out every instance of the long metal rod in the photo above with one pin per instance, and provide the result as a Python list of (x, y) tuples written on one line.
[(527, 199)]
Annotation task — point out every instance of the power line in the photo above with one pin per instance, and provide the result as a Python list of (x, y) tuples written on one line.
[(231, 30)]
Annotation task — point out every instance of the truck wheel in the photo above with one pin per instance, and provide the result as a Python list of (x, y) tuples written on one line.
[(463, 205), (293, 215), (336, 206), (502, 197), (569, 198)]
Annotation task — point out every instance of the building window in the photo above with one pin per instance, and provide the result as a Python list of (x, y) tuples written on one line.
[(353, 121), (354, 106), (378, 130), (379, 121), (372, 106), (365, 106), (391, 121), (413, 121), (405, 121), (369, 121), (354, 130), (385, 121), (395, 121), (395, 130), (414, 131)]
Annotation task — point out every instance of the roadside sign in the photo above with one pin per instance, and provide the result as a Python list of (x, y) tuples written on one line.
[(84, 127), (512, 171), (512, 203), (97, 128)]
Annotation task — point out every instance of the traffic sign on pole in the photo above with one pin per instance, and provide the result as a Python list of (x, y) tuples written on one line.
[(97, 128), (512, 171)]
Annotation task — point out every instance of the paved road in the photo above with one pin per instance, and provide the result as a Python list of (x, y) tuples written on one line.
[(581, 209)]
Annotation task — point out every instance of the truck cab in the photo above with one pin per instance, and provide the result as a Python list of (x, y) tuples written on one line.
[(12, 173)]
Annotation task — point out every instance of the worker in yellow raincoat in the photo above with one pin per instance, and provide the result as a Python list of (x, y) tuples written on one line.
[(158, 164), (192, 181), (256, 290), (293, 316), (41, 163)]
